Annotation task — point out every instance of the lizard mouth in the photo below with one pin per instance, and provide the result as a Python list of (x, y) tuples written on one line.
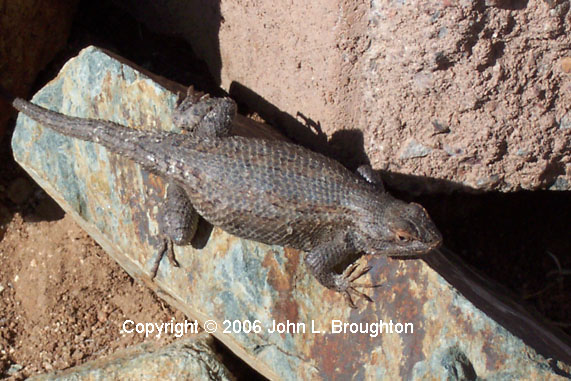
[(419, 248), (435, 244)]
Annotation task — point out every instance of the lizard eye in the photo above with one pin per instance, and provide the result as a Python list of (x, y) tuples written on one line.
[(403, 236)]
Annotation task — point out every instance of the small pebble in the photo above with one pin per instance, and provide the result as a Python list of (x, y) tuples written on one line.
[(47, 366), (102, 316), (414, 149), (565, 122), (453, 151), (14, 368), (566, 64), (560, 184), (488, 182), (440, 128)]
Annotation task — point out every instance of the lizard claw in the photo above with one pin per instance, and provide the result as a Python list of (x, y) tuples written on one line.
[(357, 293), (351, 277), (351, 269), (349, 300), (166, 248)]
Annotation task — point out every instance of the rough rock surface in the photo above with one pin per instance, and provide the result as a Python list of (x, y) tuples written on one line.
[(186, 359), (473, 92), (234, 282), (491, 74)]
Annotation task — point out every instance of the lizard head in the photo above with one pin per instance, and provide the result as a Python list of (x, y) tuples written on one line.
[(398, 229)]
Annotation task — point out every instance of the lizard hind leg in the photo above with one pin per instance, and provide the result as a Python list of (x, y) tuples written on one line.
[(205, 116), (178, 222)]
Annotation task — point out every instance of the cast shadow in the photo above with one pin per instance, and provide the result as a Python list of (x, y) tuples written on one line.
[(490, 231)]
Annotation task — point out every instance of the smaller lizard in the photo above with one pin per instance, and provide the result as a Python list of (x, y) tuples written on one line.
[(268, 191)]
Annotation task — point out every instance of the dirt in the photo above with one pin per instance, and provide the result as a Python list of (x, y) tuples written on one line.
[(483, 110), (63, 300)]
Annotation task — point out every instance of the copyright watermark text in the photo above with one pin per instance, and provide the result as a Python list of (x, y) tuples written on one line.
[(178, 329), (335, 326)]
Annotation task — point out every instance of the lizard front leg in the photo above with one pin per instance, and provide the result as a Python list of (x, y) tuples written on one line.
[(177, 224), (322, 261), (366, 172)]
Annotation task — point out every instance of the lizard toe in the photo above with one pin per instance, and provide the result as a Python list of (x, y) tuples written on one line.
[(348, 299), (165, 248)]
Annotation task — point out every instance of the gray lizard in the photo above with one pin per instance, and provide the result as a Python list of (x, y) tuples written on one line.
[(269, 191)]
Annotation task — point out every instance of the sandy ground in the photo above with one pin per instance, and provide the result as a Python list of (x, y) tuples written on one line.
[(63, 300)]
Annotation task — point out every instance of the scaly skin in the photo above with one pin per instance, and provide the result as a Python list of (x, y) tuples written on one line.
[(268, 191)]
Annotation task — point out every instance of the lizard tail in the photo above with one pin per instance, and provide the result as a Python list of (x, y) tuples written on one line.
[(144, 147), (113, 136), (80, 128)]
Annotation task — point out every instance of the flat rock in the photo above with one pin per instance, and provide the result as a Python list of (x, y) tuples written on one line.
[(247, 288), (185, 359)]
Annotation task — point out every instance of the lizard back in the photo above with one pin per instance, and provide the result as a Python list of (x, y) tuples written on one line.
[(269, 191)]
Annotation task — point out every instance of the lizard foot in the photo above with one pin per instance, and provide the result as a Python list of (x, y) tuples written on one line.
[(204, 116), (166, 248), (349, 287)]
